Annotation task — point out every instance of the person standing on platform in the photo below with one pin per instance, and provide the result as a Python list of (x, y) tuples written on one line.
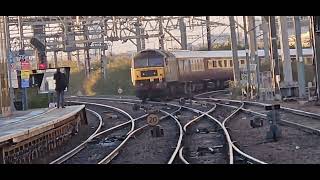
[(61, 85)]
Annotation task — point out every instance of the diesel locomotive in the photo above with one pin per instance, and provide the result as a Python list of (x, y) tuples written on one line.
[(160, 74)]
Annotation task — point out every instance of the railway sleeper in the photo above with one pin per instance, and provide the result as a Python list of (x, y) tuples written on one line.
[(202, 151), (239, 159), (110, 115), (205, 131)]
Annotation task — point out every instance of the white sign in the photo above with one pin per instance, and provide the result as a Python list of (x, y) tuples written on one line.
[(48, 83), (14, 79), (120, 91)]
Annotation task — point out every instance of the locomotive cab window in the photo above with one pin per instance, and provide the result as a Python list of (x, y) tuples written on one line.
[(156, 62), (143, 62), (149, 59)]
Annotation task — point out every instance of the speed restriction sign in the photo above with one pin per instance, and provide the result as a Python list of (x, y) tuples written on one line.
[(153, 119)]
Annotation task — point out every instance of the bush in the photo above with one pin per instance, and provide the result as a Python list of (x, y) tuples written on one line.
[(118, 75)]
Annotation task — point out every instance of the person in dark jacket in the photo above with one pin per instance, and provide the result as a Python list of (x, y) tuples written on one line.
[(61, 85)]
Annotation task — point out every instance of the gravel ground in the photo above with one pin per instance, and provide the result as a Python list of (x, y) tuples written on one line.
[(295, 146), (310, 122), (84, 132), (260, 109), (222, 112), (198, 106), (185, 116)]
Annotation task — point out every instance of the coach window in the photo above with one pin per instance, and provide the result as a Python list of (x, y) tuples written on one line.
[(242, 61), (214, 63), (181, 68), (230, 62), (193, 65), (210, 64), (220, 63), (197, 65), (187, 64), (201, 65), (225, 63)]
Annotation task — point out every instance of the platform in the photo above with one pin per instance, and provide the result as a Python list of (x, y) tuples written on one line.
[(34, 122), (27, 135)]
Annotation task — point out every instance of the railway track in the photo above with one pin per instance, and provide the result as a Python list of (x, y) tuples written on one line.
[(74, 151), (83, 152), (245, 144), (204, 142), (147, 150), (195, 111), (300, 134), (133, 132)]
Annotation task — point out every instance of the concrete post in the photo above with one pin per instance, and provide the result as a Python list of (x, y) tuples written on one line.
[(300, 60), (285, 51), (247, 56), (236, 71), (254, 50), (275, 57), (208, 33), (265, 31), (183, 32)]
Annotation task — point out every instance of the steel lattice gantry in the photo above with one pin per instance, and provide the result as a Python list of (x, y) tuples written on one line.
[(70, 33)]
